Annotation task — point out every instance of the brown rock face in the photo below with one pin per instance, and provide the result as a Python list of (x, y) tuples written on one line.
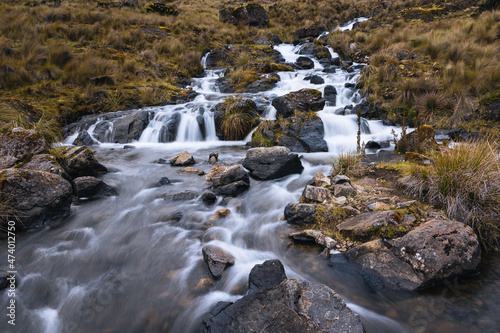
[(182, 159), (19, 146)]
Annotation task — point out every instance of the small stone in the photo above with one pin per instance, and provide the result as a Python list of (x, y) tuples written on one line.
[(340, 200), (182, 159), (217, 260), (204, 284), (316, 194), (208, 198), (191, 170), (378, 206), (320, 180), (164, 181), (402, 205), (340, 179), (220, 214), (408, 219), (345, 190)]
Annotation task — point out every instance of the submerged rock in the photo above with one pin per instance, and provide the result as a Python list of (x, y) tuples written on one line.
[(272, 163), (34, 197), (427, 255), (84, 139), (208, 198)]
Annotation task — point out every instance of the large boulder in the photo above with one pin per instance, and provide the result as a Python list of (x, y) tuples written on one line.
[(34, 197), (182, 159), (46, 163), (427, 255), (91, 187), (217, 260), (19, 145), (79, 161), (272, 163), (130, 127), (292, 306), (304, 63), (304, 100), (300, 213), (252, 14), (311, 136)]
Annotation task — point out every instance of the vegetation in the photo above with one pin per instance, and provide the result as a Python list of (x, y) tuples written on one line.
[(348, 163), (238, 118)]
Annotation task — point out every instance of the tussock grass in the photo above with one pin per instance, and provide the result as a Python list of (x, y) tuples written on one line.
[(465, 181), (237, 120), (347, 163)]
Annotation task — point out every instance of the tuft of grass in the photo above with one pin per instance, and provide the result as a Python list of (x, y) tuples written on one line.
[(465, 180), (238, 118), (347, 163)]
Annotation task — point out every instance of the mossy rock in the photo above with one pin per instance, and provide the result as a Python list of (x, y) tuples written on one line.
[(162, 9)]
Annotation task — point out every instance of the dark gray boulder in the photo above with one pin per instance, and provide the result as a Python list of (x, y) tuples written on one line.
[(290, 307), (19, 145), (79, 161), (130, 127), (84, 139), (163, 181), (304, 63), (233, 189), (208, 198), (266, 275), (316, 79), (168, 132), (426, 256), (91, 187), (252, 14), (304, 100), (311, 136), (300, 213), (272, 163), (34, 197), (103, 131), (231, 182), (330, 95)]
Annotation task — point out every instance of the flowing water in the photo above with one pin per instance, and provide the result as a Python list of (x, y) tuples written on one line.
[(131, 262)]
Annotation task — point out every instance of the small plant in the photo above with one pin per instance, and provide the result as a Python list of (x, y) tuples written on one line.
[(162, 9), (348, 164), (238, 118), (431, 102)]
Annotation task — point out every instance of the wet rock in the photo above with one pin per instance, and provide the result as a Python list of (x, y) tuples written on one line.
[(316, 79), (84, 139), (103, 131), (320, 180), (204, 284), (313, 236), (231, 182), (213, 158), (291, 306), (272, 163), (252, 15), (91, 187), (208, 198), (191, 170), (128, 147), (217, 260), (168, 133), (365, 226), (304, 63), (304, 100), (308, 49), (19, 145), (266, 275), (182, 159), (164, 181), (316, 194), (372, 145), (311, 136), (35, 197), (130, 127), (300, 213), (368, 110), (233, 189), (79, 161), (330, 94), (46, 163), (344, 190), (427, 255), (221, 214)]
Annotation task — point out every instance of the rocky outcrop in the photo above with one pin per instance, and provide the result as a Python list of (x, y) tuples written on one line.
[(91, 187), (304, 100), (217, 260), (79, 161), (300, 213), (231, 182), (291, 306), (19, 145), (252, 15), (130, 127), (427, 255), (182, 159), (367, 225), (272, 163), (34, 197), (46, 163)]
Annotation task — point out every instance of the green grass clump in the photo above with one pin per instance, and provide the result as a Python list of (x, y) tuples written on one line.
[(238, 118), (347, 163)]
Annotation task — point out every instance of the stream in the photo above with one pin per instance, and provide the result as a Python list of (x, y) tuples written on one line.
[(131, 262)]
